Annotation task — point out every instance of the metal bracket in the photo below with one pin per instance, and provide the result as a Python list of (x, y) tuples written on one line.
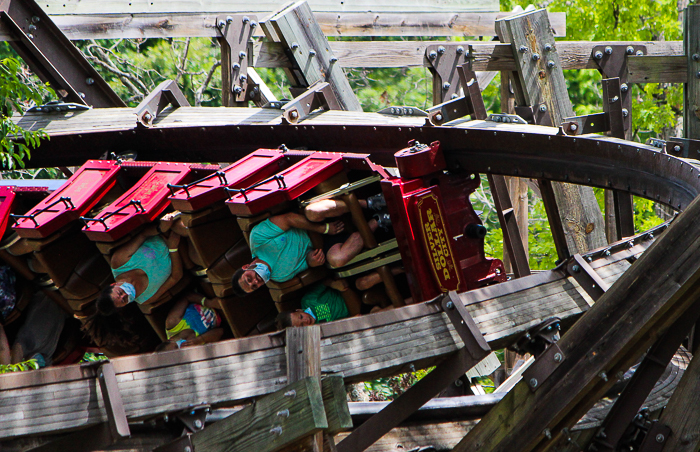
[(193, 418), (656, 142), (612, 62), (317, 95), (586, 277), (118, 425), (611, 120), (543, 367), (683, 147), (58, 106), (236, 31), (402, 111), (538, 114), (444, 61), (506, 118), (537, 339), (167, 93), (473, 340), (472, 103), (656, 437)]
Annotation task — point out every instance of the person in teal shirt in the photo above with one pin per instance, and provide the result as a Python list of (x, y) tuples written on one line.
[(281, 246)]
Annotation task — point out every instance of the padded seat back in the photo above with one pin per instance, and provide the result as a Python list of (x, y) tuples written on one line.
[(244, 314), (212, 232)]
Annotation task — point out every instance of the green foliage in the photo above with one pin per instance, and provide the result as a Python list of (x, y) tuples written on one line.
[(89, 357), (30, 364), (392, 387), (16, 92)]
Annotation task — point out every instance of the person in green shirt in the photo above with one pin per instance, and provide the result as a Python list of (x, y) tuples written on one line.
[(322, 303)]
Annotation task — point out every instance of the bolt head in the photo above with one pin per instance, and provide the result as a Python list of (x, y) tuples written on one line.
[(523, 49), (449, 305), (441, 50), (696, 57), (90, 80), (294, 114), (551, 64), (629, 50), (188, 449), (573, 127), (197, 423), (432, 55), (598, 55), (241, 54), (229, 19), (608, 50), (446, 86), (533, 382), (235, 66), (246, 19), (312, 53), (32, 27), (460, 50), (438, 117), (295, 46), (543, 108), (535, 56), (639, 53), (660, 438), (253, 24), (624, 88), (697, 74), (333, 60), (575, 268), (221, 24), (548, 47), (36, 19), (677, 148), (237, 89), (243, 78), (625, 112), (147, 117), (557, 357)]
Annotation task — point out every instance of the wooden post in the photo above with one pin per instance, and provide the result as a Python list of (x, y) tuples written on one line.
[(691, 45), (304, 360), (541, 83), (610, 337)]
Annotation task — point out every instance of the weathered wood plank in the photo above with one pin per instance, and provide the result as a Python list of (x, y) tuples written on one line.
[(340, 23), (199, 6), (691, 45), (299, 32)]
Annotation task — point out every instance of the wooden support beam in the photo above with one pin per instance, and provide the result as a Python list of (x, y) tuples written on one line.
[(541, 84), (691, 45), (610, 337), (153, 24), (509, 224), (297, 29)]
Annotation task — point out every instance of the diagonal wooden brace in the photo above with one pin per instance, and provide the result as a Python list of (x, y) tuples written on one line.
[(472, 103), (475, 349), (587, 278), (118, 425)]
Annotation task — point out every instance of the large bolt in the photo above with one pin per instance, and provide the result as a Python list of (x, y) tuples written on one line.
[(535, 56), (441, 50), (32, 28), (557, 357), (598, 55), (523, 49), (547, 434), (294, 114), (629, 50), (333, 60), (438, 117), (446, 86), (36, 19), (197, 424), (573, 127), (543, 108), (449, 305), (188, 449), (432, 55), (697, 74), (696, 57), (533, 382), (90, 81), (603, 376), (660, 438), (221, 23), (624, 87), (241, 54), (625, 113), (639, 53), (246, 19), (551, 64), (243, 78), (237, 89), (312, 53), (548, 47), (276, 431), (291, 393), (229, 19), (147, 117), (460, 50), (283, 413), (253, 24), (608, 50), (295, 46), (235, 66), (575, 268), (676, 148)]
